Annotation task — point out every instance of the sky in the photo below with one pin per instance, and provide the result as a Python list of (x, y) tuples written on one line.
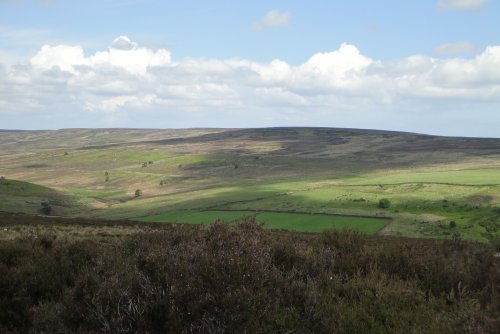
[(426, 66)]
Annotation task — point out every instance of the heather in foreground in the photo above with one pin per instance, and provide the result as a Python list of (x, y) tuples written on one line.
[(217, 279)]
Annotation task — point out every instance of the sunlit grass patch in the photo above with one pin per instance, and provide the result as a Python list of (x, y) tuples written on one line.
[(277, 220)]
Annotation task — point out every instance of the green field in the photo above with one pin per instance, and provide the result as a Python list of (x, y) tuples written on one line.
[(276, 220), (484, 176), (437, 186)]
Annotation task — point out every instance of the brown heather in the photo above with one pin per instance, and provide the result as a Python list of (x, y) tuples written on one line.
[(244, 279)]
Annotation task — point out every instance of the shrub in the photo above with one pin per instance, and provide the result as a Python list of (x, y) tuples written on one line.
[(246, 279), (45, 209), (384, 203)]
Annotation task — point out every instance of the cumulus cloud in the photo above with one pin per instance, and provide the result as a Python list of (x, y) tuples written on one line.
[(114, 103), (452, 49), (460, 4), (123, 43), (64, 57), (122, 53), (341, 69), (272, 19), (128, 80)]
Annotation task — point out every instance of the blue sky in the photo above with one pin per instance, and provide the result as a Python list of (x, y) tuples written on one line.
[(425, 66)]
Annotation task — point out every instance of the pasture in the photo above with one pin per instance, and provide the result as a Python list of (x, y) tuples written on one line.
[(299, 222)]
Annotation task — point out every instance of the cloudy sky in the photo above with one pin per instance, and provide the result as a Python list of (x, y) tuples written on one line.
[(428, 66)]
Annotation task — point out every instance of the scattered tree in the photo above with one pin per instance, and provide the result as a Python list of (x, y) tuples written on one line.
[(138, 192), (46, 209), (144, 164), (106, 174), (453, 224), (384, 203)]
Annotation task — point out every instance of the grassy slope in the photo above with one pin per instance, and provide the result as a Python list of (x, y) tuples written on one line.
[(25, 197), (483, 176), (429, 180)]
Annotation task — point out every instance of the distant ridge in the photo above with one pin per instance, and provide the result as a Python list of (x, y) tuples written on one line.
[(354, 130)]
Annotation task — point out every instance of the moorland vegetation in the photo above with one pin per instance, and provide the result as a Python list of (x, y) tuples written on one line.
[(62, 276)]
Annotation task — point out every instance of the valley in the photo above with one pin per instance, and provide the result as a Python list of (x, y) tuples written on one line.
[(302, 179)]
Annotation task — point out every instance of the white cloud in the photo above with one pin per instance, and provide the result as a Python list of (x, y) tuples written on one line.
[(341, 69), (134, 59), (122, 53), (272, 19), (114, 103), (460, 4), (280, 97), (128, 80), (458, 48), (123, 43), (63, 56)]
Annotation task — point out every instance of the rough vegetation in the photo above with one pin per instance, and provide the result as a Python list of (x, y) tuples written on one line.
[(194, 279)]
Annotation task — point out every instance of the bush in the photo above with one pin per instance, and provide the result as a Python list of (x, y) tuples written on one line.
[(384, 203), (246, 279), (138, 192), (45, 209)]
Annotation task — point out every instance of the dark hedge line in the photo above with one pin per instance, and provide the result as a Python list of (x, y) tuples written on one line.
[(245, 279)]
